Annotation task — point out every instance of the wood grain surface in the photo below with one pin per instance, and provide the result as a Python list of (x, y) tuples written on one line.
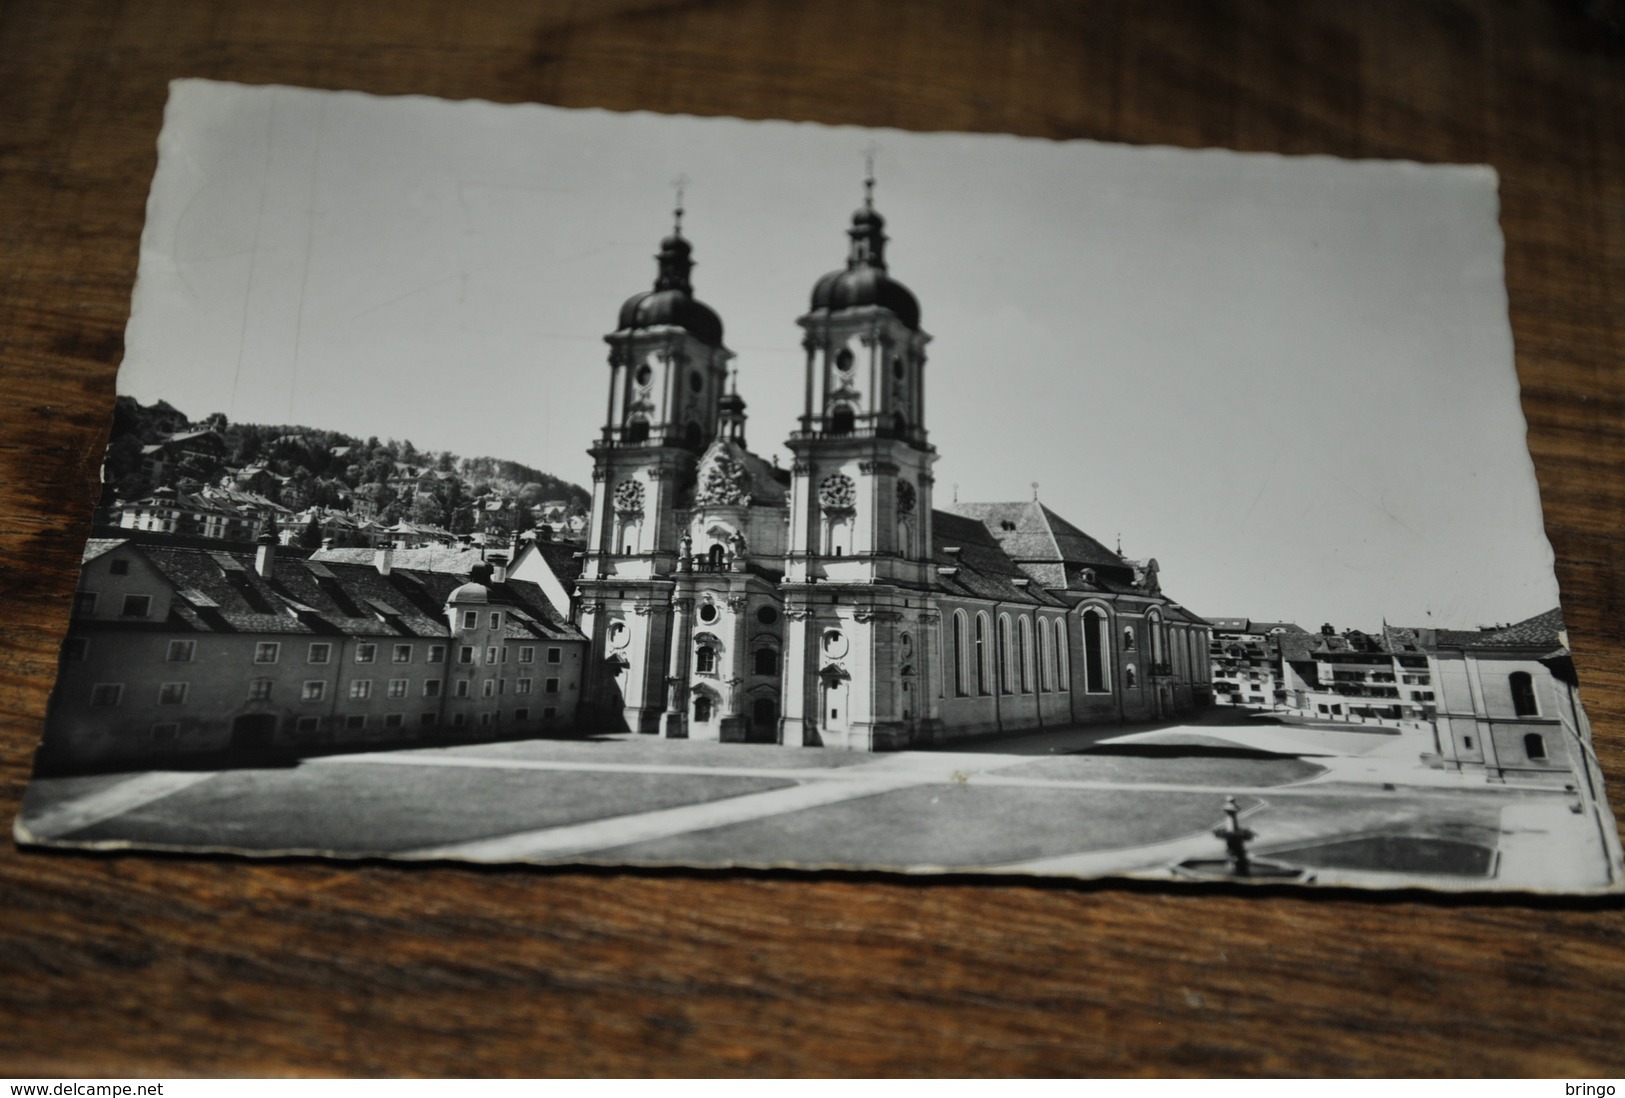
[(170, 965)]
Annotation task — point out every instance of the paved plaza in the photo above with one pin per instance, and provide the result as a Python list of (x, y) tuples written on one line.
[(1347, 806)]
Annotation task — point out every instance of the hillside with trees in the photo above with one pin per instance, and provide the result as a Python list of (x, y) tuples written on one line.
[(302, 468)]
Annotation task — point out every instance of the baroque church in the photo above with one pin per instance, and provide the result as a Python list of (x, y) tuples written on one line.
[(831, 603)]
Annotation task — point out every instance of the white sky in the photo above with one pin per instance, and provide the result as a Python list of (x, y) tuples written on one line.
[(1288, 379)]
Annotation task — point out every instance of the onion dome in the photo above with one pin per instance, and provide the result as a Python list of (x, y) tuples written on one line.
[(865, 281), (672, 303), (467, 593)]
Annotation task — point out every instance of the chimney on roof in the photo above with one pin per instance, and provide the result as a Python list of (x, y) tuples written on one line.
[(383, 558), (265, 553), (327, 542), (499, 567)]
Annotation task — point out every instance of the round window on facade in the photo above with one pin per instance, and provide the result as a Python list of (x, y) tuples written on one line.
[(767, 615), (619, 635), (843, 361), (696, 380), (834, 643), (644, 374), (897, 367), (708, 612)]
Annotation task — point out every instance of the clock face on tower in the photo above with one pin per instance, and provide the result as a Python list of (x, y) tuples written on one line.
[(837, 492), (629, 498)]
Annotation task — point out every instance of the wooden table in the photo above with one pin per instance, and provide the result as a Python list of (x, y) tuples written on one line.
[(172, 965)]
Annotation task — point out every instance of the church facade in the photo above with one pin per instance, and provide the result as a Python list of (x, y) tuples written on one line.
[(831, 603)]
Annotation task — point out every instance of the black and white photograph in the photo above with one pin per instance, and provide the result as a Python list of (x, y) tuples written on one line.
[(518, 484)]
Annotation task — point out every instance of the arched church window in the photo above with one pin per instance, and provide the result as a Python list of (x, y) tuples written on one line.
[(1046, 657), (899, 424), (696, 380), (702, 709), (842, 421), (1094, 651), (982, 676), (715, 555), (1063, 672), (1534, 746), (694, 435), (638, 429), (1523, 694), (961, 653), (1024, 655), (767, 661), (705, 660), (898, 369), (1005, 659)]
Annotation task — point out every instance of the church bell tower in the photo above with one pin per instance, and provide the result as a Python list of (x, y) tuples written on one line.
[(667, 377), (858, 659)]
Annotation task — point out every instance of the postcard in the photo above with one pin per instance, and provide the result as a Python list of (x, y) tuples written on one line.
[(526, 485)]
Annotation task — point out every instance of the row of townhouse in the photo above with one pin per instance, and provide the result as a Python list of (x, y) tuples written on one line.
[(180, 651), (1500, 701)]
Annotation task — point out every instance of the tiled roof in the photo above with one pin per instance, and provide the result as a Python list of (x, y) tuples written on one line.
[(1029, 531), (95, 547), (1540, 631), (561, 558), (220, 592), (981, 568), (457, 559)]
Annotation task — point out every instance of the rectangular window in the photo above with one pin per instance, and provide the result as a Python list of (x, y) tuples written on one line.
[(259, 690), (314, 690), (491, 654), (394, 720), (105, 695), (355, 721), (465, 654), (459, 719), (75, 649), (521, 714), (462, 688), (360, 689), (319, 653), (431, 688), (84, 603), (551, 686), (471, 619), (119, 567), (267, 652), (166, 732), (555, 655), (504, 653), (549, 713), (136, 606), (172, 693), (527, 653), (403, 653), (496, 619), (487, 720), (427, 720), (366, 653), (397, 688), (437, 653), (308, 724), (522, 686), (488, 689), (180, 651)]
